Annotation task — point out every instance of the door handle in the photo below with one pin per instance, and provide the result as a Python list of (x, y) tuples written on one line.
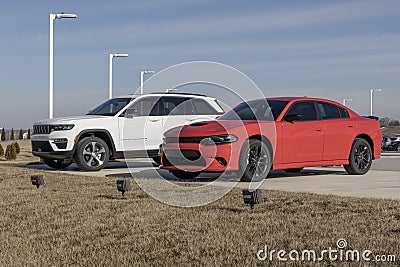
[(350, 126), (154, 120), (319, 130)]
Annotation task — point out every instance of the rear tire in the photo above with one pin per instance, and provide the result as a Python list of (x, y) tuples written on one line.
[(255, 161), (360, 159), (92, 154), (57, 164), (184, 175)]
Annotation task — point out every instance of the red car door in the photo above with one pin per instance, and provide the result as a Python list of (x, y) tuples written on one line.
[(303, 139), (338, 130)]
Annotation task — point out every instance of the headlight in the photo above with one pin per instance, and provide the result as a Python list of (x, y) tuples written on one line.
[(219, 139), (62, 127)]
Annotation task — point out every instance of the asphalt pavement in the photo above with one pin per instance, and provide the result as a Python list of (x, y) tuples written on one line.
[(382, 181)]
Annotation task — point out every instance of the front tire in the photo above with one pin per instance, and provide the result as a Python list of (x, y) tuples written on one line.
[(255, 161), (360, 159), (57, 164), (157, 160), (92, 154)]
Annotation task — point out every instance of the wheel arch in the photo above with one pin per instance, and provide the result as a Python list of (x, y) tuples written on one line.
[(263, 139), (369, 140), (100, 133)]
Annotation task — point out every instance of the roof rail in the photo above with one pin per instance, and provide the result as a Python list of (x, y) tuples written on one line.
[(178, 93)]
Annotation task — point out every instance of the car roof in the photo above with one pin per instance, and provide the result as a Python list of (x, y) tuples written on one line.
[(166, 94), (290, 98)]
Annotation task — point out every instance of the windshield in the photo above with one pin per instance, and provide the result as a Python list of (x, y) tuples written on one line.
[(256, 110), (110, 107)]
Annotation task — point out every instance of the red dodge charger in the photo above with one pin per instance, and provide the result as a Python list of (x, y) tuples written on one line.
[(287, 133)]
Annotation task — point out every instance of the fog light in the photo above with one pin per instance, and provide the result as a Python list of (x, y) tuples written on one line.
[(252, 197), (37, 180), (123, 186), (221, 161)]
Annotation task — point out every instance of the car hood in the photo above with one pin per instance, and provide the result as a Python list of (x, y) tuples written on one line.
[(66, 120), (208, 128)]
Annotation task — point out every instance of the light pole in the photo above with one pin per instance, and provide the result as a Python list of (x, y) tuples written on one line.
[(110, 80), (346, 100), (52, 18), (142, 73), (371, 94)]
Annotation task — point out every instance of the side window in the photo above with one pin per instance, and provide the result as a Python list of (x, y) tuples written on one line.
[(343, 113), (306, 110), (176, 106), (330, 111), (202, 107), (148, 106)]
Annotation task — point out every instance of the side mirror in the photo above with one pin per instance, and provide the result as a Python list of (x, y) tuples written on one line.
[(292, 117)]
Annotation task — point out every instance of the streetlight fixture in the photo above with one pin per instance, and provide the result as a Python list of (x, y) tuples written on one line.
[(111, 72), (170, 90), (52, 18), (142, 73), (371, 95), (346, 100)]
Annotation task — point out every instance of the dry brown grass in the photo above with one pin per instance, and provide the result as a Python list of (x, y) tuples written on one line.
[(391, 130), (76, 220), (25, 154), (81, 221)]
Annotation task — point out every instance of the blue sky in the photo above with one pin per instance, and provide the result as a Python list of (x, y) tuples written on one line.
[(331, 49)]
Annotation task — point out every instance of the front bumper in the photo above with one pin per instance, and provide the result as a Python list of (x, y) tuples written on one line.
[(196, 157), (54, 155), (48, 149)]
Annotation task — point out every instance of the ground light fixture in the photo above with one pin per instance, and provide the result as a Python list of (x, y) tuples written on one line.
[(110, 80), (142, 73), (37, 180), (51, 68), (123, 186), (252, 197)]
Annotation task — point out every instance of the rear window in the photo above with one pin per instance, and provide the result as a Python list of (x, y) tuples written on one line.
[(330, 111), (201, 107)]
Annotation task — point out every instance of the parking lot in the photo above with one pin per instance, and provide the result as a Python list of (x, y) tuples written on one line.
[(382, 181)]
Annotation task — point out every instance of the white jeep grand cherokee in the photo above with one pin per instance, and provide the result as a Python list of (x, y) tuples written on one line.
[(130, 126)]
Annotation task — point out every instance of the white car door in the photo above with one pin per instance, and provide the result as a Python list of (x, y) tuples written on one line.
[(140, 128)]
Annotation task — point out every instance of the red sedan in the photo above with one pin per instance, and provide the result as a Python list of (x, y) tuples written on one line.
[(287, 133)]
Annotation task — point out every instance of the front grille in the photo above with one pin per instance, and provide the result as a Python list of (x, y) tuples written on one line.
[(41, 146), (184, 157), (195, 140), (41, 129)]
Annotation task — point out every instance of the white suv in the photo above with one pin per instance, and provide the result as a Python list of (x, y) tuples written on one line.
[(129, 126)]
